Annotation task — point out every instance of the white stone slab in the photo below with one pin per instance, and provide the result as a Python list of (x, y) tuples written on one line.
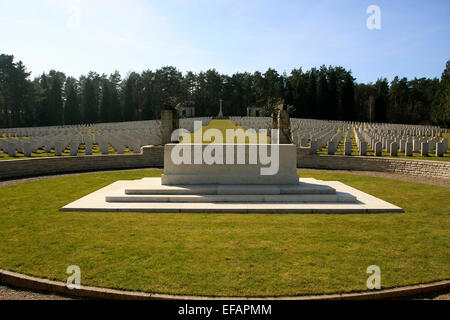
[(365, 203), (120, 196), (154, 186)]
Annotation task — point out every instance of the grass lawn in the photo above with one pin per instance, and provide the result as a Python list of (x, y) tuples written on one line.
[(226, 254), (222, 126)]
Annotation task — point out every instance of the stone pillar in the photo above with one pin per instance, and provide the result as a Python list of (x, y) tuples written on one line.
[(274, 121), (284, 126), (169, 123)]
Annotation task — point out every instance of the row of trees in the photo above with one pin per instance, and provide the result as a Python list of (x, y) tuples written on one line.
[(323, 93)]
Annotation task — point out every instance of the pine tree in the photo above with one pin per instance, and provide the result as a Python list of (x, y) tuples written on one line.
[(115, 114), (129, 107), (72, 114), (105, 106), (381, 100), (333, 100), (116, 109), (2, 112), (440, 113), (312, 94), (55, 103), (43, 112), (348, 98), (323, 95), (90, 102)]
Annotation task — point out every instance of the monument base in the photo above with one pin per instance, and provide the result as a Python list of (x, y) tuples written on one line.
[(196, 171), (308, 196)]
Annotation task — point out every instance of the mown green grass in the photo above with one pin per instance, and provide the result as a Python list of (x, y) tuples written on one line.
[(226, 254), (223, 126)]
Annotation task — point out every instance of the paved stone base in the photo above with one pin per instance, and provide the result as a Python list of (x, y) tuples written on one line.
[(309, 196)]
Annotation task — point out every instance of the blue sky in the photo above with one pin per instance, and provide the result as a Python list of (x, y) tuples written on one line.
[(228, 35)]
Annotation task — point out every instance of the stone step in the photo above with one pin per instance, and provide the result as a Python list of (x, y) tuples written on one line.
[(154, 187), (339, 197), (365, 203)]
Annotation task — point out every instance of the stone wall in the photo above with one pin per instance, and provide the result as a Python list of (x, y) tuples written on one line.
[(153, 157), (428, 168), (150, 157)]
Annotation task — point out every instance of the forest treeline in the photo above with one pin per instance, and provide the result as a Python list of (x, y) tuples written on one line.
[(321, 93)]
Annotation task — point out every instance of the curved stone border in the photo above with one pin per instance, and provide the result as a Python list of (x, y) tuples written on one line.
[(18, 280)]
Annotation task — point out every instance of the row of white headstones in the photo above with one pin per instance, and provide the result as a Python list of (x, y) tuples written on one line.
[(394, 139), (118, 136), (316, 134)]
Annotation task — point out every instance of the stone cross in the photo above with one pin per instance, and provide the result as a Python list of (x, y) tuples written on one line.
[(220, 112)]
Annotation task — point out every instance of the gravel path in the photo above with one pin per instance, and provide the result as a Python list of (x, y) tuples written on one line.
[(445, 296), (7, 293)]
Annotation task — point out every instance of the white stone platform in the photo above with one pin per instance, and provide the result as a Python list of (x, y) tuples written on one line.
[(309, 196)]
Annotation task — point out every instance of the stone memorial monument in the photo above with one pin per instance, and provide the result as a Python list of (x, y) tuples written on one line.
[(230, 178)]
